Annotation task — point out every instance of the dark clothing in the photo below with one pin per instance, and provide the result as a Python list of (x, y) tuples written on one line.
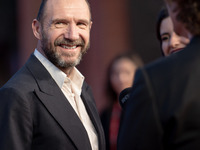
[(105, 119), (163, 111), (110, 119), (35, 115)]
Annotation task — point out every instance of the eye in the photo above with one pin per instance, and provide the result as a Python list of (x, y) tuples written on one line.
[(82, 25), (60, 24), (165, 37)]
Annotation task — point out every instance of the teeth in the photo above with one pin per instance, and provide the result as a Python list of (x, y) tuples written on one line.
[(67, 47)]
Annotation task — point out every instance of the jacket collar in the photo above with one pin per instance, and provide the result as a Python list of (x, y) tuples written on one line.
[(55, 102)]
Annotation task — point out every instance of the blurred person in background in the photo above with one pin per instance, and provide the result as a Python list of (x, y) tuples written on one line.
[(170, 42), (164, 107), (120, 75), (47, 105)]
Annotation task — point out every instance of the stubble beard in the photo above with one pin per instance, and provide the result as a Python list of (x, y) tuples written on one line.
[(57, 58)]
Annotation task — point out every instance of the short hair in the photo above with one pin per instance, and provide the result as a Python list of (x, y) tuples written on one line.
[(41, 12), (189, 14), (40, 15)]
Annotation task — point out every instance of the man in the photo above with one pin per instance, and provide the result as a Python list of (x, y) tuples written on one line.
[(47, 105), (164, 107)]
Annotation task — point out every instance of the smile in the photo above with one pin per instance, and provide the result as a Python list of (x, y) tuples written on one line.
[(68, 47), (176, 50)]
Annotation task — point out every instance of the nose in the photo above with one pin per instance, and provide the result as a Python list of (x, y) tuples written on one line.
[(121, 77), (174, 40), (71, 32)]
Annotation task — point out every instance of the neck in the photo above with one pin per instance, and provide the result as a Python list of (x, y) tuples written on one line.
[(67, 71)]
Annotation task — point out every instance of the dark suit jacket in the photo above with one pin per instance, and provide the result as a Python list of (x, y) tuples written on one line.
[(164, 109), (35, 115), (105, 120)]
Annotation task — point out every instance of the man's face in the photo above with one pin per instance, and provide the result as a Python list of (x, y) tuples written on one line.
[(173, 10), (65, 31)]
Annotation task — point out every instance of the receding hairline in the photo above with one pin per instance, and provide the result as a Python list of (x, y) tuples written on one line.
[(41, 12)]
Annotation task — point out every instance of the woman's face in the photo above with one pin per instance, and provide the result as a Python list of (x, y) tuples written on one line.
[(170, 41), (122, 74)]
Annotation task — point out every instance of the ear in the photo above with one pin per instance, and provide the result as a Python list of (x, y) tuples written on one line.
[(36, 27), (91, 24)]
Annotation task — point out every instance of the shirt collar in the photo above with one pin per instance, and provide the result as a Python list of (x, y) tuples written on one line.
[(58, 75), (77, 81)]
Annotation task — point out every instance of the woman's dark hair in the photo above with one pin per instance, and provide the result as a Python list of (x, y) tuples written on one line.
[(135, 58), (161, 16)]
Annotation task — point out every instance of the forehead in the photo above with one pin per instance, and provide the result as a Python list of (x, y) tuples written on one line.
[(67, 8), (123, 62), (166, 25)]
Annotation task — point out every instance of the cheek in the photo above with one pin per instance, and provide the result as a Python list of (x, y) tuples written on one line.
[(55, 34), (130, 79), (85, 36), (114, 80), (54, 37), (115, 84), (165, 47), (184, 41)]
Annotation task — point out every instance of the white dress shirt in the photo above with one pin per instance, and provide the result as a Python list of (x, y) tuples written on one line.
[(72, 90)]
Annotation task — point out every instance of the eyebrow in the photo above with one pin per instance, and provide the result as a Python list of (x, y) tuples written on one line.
[(165, 33), (84, 20), (58, 20), (64, 20)]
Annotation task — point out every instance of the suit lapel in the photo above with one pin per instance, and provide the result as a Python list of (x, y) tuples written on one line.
[(89, 103), (58, 106)]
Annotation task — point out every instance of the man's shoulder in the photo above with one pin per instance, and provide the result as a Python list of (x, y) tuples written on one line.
[(161, 72), (160, 65), (22, 79)]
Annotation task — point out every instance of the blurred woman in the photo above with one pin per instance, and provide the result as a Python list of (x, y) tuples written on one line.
[(170, 42), (120, 76)]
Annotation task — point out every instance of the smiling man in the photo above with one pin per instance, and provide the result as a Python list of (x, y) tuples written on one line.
[(63, 32), (47, 105)]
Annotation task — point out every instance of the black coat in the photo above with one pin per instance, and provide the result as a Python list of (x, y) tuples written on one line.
[(35, 115), (164, 109)]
